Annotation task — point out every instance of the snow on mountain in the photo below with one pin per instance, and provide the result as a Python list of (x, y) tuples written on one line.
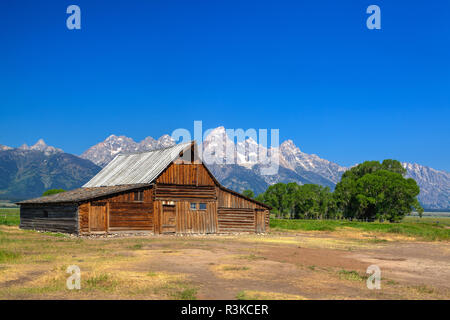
[(164, 142), (148, 144), (40, 145), (3, 148), (434, 185), (218, 148), (102, 153), (238, 165), (296, 160)]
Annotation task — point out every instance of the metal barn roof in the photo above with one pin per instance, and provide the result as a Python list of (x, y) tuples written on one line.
[(136, 168)]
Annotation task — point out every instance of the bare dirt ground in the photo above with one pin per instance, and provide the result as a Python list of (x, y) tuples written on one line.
[(310, 265)]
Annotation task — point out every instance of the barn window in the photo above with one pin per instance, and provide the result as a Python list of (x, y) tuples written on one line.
[(202, 206), (139, 196), (45, 214), (193, 206)]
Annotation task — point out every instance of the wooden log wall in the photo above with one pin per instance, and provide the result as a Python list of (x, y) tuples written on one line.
[(230, 200), (177, 192), (267, 219), (237, 214), (54, 218), (236, 220), (186, 174), (125, 216)]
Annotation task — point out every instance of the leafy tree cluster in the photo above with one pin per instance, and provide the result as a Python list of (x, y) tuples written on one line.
[(374, 190), (291, 200), (369, 191)]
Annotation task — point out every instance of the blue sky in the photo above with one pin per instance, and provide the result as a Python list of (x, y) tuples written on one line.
[(309, 68)]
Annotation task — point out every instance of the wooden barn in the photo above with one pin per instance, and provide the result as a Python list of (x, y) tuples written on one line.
[(163, 191)]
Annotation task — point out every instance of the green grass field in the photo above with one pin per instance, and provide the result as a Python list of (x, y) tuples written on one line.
[(9, 216), (427, 228), (445, 221)]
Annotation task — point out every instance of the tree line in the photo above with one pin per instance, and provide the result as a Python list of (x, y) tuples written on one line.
[(369, 191)]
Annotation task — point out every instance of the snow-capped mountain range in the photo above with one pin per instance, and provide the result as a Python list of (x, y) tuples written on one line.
[(243, 170), (434, 185), (102, 153), (40, 145), (238, 165)]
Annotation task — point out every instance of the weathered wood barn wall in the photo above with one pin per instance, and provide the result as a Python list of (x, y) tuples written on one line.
[(181, 197), (56, 218)]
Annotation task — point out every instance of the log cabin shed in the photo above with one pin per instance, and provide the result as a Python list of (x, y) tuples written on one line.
[(164, 191)]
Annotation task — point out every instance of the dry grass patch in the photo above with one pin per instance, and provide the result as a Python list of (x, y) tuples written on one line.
[(351, 275), (235, 268), (264, 295), (250, 257), (227, 271), (7, 256), (330, 242)]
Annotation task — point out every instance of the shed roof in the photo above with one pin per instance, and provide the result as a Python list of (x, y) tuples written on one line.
[(135, 168), (82, 194)]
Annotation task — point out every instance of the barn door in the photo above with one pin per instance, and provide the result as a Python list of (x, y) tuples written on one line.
[(168, 219), (97, 217), (260, 222)]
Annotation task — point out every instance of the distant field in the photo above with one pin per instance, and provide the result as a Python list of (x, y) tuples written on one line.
[(427, 228), (435, 220), (7, 204), (9, 216)]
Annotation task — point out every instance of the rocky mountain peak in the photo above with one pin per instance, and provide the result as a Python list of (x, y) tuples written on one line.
[(103, 152), (24, 147), (41, 146), (148, 141), (218, 130), (218, 134), (165, 141), (112, 137), (288, 146), (3, 148), (236, 164)]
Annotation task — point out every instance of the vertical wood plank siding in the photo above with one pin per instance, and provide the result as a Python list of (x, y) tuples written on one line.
[(186, 174), (196, 221), (123, 213), (83, 217)]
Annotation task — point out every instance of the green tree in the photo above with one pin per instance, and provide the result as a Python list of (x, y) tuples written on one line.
[(374, 190), (290, 199), (299, 201), (314, 202), (248, 193), (393, 166), (275, 196), (52, 191)]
